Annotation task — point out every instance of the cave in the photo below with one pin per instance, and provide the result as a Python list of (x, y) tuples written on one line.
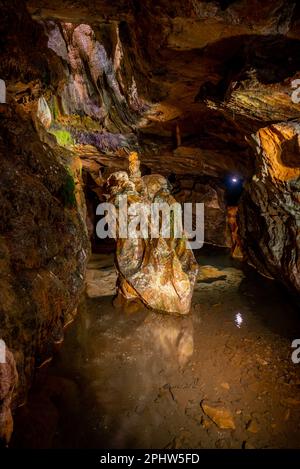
[(152, 341)]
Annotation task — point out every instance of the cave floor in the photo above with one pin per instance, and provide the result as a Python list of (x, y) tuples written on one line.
[(142, 380)]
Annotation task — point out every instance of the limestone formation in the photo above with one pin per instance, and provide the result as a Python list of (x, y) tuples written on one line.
[(159, 271)]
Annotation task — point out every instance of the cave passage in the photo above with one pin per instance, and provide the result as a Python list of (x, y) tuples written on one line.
[(233, 189)]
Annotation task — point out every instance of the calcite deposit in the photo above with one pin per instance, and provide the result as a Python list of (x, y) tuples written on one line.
[(159, 271)]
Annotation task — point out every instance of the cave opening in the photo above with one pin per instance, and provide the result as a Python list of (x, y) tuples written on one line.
[(187, 116), (234, 189)]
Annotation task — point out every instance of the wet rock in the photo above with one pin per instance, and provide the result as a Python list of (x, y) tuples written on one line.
[(101, 276), (210, 274), (99, 283), (44, 113), (221, 416), (160, 271), (43, 239), (236, 250), (225, 386), (213, 197), (269, 210), (252, 426)]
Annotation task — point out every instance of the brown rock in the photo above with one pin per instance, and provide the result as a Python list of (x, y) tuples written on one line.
[(159, 271), (269, 216), (225, 386), (221, 416), (252, 426)]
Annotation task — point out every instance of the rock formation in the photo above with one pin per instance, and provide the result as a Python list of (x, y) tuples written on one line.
[(159, 271), (270, 208), (43, 239)]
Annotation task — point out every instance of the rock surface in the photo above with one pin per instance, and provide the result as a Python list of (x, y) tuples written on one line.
[(221, 416), (161, 271), (101, 277), (43, 239), (270, 207)]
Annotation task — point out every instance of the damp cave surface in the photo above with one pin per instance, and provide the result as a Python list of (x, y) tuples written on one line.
[(194, 102), (139, 380)]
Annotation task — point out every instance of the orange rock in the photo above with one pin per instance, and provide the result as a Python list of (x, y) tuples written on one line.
[(221, 416), (161, 272)]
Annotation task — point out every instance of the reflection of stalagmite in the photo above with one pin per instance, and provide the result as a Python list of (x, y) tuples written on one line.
[(160, 271), (171, 338)]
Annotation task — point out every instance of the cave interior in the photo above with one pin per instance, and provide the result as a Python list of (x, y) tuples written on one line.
[(206, 93)]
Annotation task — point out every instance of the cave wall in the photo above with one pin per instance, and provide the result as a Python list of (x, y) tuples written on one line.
[(207, 76), (43, 239), (269, 217)]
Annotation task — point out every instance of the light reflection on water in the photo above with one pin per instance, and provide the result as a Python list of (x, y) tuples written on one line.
[(238, 320)]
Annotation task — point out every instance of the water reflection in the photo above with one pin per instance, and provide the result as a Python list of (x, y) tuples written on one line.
[(238, 320), (118, 377), (171, 337)]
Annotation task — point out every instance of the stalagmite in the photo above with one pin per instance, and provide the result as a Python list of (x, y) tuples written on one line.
[(160, 272)]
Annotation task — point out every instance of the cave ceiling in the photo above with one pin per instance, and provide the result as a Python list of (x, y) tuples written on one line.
[(184, 83)]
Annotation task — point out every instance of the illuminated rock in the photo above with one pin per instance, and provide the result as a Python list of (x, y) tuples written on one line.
[(44, 113), (269, 219), (160, 272), (232, 213), (221, 416)]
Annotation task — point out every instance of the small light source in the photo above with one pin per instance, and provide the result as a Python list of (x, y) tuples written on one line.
[(238, 320), (234, 180)]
